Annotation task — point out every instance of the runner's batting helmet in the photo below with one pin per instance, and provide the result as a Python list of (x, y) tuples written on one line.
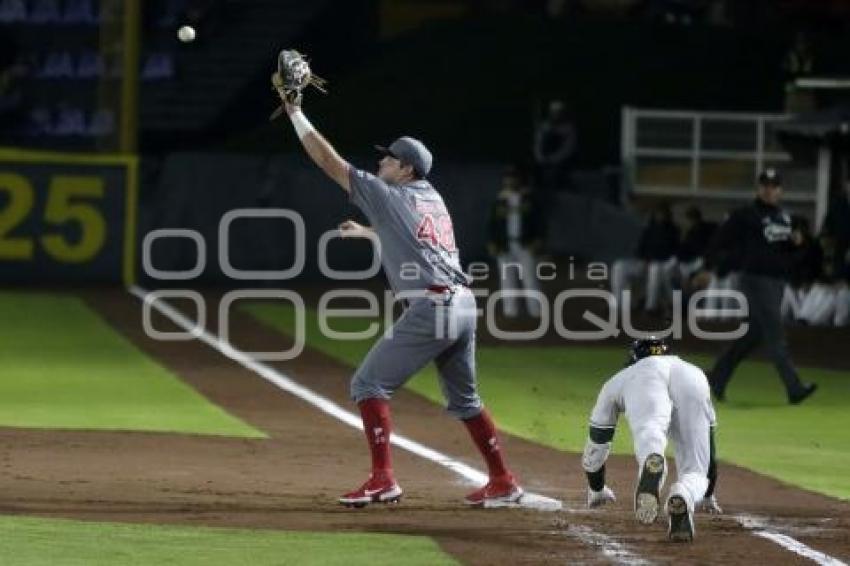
[(643, 347)]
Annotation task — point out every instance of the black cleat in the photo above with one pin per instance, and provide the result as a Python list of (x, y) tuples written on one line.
[(649, 484), (802, 394), (680, 520)]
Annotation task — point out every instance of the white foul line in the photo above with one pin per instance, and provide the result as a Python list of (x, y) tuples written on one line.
[(615, 551), (759, 528)]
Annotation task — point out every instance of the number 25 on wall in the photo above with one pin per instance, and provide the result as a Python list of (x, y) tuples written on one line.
[(66, 198)]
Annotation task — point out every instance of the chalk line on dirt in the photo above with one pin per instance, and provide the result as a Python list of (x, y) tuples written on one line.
[(761, 528)]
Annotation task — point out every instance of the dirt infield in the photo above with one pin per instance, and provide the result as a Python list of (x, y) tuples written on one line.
[(290, 481)]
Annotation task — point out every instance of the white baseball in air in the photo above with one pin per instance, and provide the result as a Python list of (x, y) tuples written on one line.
[(186, 34)]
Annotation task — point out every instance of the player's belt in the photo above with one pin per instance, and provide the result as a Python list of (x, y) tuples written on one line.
[(440, 289), (443, 293), (444, 288)]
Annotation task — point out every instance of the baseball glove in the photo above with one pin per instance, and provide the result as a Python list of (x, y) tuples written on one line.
[(292, 76)]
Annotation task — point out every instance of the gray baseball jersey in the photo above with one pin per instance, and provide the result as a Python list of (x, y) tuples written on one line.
[(418, 252), (415, 230)]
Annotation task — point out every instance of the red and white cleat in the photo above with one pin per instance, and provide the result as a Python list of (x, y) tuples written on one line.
[(380, 489), (499, 491)]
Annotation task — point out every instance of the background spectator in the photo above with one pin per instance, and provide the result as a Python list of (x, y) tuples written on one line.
[(835, 234), (807, 296), (658, 244), (515, 237), (835, 238), (554, 146), (722, 266), (689, 258), (799, 61)]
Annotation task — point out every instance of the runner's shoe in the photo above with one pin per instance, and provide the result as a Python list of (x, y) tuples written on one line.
[(681, 520), (649, 484)]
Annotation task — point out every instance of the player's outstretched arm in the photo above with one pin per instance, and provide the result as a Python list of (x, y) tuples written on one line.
[(320, 151)]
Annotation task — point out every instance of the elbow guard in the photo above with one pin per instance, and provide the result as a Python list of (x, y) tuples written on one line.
[(595, 456)]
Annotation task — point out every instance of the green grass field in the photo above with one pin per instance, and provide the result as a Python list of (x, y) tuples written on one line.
[(36, 542), (64, 367), (545, 395)]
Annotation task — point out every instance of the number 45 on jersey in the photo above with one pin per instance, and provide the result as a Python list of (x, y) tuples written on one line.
[(437, 231)]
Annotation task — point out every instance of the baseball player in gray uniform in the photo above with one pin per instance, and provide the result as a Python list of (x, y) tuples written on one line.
[(660, 395), (420, 259)]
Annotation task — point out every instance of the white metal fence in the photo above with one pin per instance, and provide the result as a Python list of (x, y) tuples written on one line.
[(713, 155), (706, 154)]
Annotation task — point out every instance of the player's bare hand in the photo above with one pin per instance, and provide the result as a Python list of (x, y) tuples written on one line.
[(352, 229), (710, 505), (601, 497)]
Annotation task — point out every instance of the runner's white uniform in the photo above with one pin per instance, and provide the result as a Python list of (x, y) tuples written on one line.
[(663, 396)]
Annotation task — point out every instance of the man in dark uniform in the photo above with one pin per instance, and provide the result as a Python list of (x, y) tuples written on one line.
[(769, 249), (515, 237)]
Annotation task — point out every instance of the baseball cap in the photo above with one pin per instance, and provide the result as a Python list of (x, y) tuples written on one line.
[(410, 151), (770, 176)]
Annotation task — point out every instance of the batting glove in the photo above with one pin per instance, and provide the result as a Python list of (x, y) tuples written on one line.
[(601, 497), (710, 505)]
